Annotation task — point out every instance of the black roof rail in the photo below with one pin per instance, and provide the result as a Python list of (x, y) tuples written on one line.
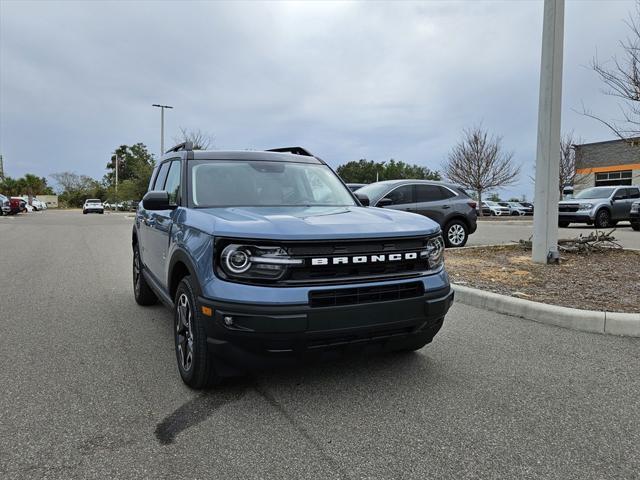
[(186, 146), (293, 150)]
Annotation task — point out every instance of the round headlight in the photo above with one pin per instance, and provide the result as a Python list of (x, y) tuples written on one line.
[(236, 259), (435, 252)]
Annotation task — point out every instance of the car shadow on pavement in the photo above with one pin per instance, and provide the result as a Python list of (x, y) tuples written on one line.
[(199, 408), (402, 367)]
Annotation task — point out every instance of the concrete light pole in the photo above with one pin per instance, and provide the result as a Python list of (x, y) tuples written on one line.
[(161, 107), (116, 195), (545, 218)]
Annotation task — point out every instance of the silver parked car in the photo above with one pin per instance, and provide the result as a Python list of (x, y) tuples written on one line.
[(515, 208), (600, 206), (447, 204), (496, 209), (5, 205)]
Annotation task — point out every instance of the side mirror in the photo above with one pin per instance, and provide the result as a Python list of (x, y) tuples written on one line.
[(384, 202), (157, 200), (363, 199)]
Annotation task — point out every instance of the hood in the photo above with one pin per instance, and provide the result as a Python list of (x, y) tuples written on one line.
[(311, 223)]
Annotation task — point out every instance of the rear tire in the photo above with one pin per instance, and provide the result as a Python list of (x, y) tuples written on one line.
[(141, 290), (635, 226), (193, 353), (456, 234), (563, 224)]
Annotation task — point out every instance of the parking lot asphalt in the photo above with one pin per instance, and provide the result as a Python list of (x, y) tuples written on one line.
[(90, 387), (505, 231)]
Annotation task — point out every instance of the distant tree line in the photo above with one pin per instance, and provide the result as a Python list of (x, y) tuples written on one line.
[(368, 171), (135, 165), (28, 185)]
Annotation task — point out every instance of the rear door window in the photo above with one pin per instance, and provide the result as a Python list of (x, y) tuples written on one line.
[(446, 193), (429, 193)]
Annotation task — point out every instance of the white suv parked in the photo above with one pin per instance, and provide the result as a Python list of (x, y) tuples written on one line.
[(93, 205)]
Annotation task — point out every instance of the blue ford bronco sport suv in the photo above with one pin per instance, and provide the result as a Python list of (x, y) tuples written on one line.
[(268, 256)]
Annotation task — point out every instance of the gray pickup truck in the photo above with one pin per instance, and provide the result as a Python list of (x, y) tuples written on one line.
[(600, 206)]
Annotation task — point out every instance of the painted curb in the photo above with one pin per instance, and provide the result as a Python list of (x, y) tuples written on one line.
[(611, 323)]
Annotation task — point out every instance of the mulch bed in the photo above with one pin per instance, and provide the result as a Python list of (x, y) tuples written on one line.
[(607, 280)]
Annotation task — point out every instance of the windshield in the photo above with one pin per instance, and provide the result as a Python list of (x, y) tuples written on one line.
[(236, 183), (375, 191), (595, 193)]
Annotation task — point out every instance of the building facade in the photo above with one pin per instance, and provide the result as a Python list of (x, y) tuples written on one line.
[(614, 162), (50, 200)]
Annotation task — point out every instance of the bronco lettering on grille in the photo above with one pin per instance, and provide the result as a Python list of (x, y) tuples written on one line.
[(393, 257)]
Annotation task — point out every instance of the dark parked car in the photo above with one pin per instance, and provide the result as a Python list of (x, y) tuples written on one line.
[(447, 204), (267, 256), (355, 186), (634, 215)]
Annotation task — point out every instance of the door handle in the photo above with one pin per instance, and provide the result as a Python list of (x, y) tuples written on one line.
[(446, 206), (149, 222)]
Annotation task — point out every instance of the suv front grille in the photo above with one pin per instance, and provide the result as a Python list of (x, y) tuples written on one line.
[(407, 262), (355, 296), (310, 274), (568, 208)]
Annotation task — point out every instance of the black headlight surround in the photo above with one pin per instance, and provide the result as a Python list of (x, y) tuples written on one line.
[(434, 252), (252, 261)]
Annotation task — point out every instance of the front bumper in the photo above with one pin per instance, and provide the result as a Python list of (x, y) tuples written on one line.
[(261, 335), (575, 217)]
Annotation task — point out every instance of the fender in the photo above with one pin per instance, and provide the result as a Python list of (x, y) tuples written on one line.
[(180, 255)]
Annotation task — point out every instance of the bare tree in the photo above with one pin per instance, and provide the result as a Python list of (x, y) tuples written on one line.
[(201, 140), (622, 80), (479, 163), (568, 160)]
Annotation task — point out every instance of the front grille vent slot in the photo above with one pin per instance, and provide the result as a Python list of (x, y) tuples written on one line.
[(354, 296)]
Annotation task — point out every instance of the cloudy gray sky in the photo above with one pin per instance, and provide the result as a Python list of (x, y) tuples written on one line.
[(347, 80)]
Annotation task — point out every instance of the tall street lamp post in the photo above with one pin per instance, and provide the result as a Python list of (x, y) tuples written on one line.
[(161, 107), (545, 214), (116, 165)]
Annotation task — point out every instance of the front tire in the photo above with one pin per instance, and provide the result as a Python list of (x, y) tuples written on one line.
[(195, 360), (456, 234), (141, 290), (635, 226), (563, 224), (603, 219)]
